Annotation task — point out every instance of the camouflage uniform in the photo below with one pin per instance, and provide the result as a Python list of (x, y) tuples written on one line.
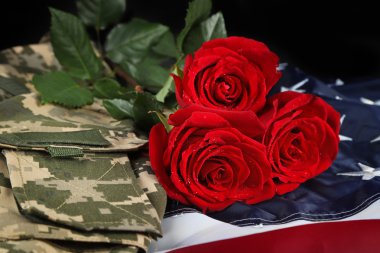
[(66, 180)]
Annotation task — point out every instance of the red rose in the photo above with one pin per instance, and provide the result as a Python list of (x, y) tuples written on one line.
[(234, 73), (302, 137), (209, 158)]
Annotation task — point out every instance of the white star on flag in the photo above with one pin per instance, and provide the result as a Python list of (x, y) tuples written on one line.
[(369, 101), (343, 137), (296, 86), (282, 66), (339, 82), (375, 139), (367, 172)]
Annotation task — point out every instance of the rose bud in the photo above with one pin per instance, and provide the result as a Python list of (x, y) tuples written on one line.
[(210, 159), (302, 137), (233, 73)]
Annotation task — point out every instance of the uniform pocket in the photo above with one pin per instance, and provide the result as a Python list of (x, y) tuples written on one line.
[(95, 192)]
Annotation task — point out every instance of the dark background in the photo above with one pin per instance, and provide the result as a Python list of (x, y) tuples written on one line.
[(328, 39)]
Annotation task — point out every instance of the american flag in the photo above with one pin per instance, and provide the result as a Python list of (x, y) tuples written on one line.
[(337, 211)]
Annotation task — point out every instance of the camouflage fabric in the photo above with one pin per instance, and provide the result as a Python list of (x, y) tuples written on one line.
[(67, 183), (41, 246), (22, 62)]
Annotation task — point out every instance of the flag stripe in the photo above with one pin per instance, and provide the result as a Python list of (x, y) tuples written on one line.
[(327, 237)]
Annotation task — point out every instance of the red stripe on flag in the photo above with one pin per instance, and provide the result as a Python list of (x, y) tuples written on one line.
[(330, 237)]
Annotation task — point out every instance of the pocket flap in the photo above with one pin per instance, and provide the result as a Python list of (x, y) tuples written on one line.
[(70, 142), (90, 137), (24, 115), (94, 192)]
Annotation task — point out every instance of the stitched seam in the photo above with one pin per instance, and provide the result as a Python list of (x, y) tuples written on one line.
[(367, 202), (142, 192), (349, 212), (308, 219), (188, 210)]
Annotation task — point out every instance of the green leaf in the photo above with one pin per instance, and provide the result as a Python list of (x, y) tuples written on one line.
[(133, 40), (100, 13), (198, 11), (171, 101), (107, 88), (163, 120), (168, 85), (161, 95), (119, 108), (12, 86), (214, 27), (147, 73), (72, 46), (211, 28), (145, 103), (166, 46), (60, 88)]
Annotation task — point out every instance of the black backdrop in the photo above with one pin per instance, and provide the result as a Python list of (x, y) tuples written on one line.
[(328, 39)]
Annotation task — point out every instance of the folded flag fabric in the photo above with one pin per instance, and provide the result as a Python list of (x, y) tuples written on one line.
[(349, 187)]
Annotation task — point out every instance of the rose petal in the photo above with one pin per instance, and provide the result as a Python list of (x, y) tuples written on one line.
[(233, 56), (158, 139), (246, 121), (267, 192)]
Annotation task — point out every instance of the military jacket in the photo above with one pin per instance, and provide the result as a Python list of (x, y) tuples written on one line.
[(71, 180)]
